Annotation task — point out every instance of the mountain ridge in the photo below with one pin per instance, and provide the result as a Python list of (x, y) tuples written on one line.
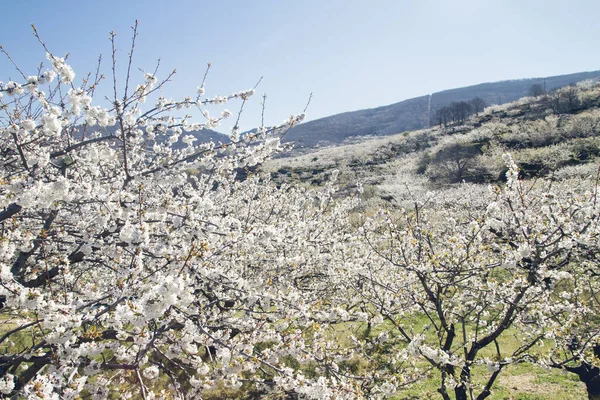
[(417, 112)]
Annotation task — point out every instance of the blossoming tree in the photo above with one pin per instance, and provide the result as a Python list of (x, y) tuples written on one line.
[(131, 265), (516, 266)]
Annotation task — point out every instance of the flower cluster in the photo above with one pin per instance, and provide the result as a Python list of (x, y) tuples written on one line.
[(64, 70)]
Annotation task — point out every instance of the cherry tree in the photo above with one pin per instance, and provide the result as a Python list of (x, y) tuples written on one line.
[(483, 271), (134, 266)]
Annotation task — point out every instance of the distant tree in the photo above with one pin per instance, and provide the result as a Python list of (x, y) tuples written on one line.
[(536, 90), (460, 110), (465, 110), (454, 162), (553, 101), (570, 97), (443, 115), (564, 100), (477, 105), (455, 110)]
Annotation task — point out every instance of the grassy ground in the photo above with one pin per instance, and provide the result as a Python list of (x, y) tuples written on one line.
[(518, 382)]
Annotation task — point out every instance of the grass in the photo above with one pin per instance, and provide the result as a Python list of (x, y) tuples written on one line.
[(525, 381), (516, 382), (17, 341)]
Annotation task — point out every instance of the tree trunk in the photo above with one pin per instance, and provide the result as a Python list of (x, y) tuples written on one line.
[(461, 392), (593, 388), (593, 396), (590, 375)]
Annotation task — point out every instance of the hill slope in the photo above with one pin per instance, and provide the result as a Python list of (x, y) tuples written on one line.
[(415, 113), (544, 141)]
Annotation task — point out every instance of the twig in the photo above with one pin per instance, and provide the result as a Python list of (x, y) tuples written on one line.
[(237, 121), (262, 113), (119, 110), (204, 79), (98, 77), (13, 62), (141, 382), (134, 27), (310, 96), (596, 185), (114, 63)]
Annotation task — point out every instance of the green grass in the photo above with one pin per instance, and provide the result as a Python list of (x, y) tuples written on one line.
[(517, 382)]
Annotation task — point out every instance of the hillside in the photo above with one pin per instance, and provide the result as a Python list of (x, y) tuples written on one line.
[(416, 113), (381, 121), (506, 91), (543, 135)]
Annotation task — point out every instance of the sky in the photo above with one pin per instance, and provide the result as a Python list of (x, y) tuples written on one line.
[(350, 54)]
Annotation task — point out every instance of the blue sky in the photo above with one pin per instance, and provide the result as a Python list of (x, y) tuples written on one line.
[(350, 54)]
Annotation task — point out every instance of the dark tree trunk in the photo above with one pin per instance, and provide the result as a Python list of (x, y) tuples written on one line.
[(593, 386), (590, 375), (461, 392)]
